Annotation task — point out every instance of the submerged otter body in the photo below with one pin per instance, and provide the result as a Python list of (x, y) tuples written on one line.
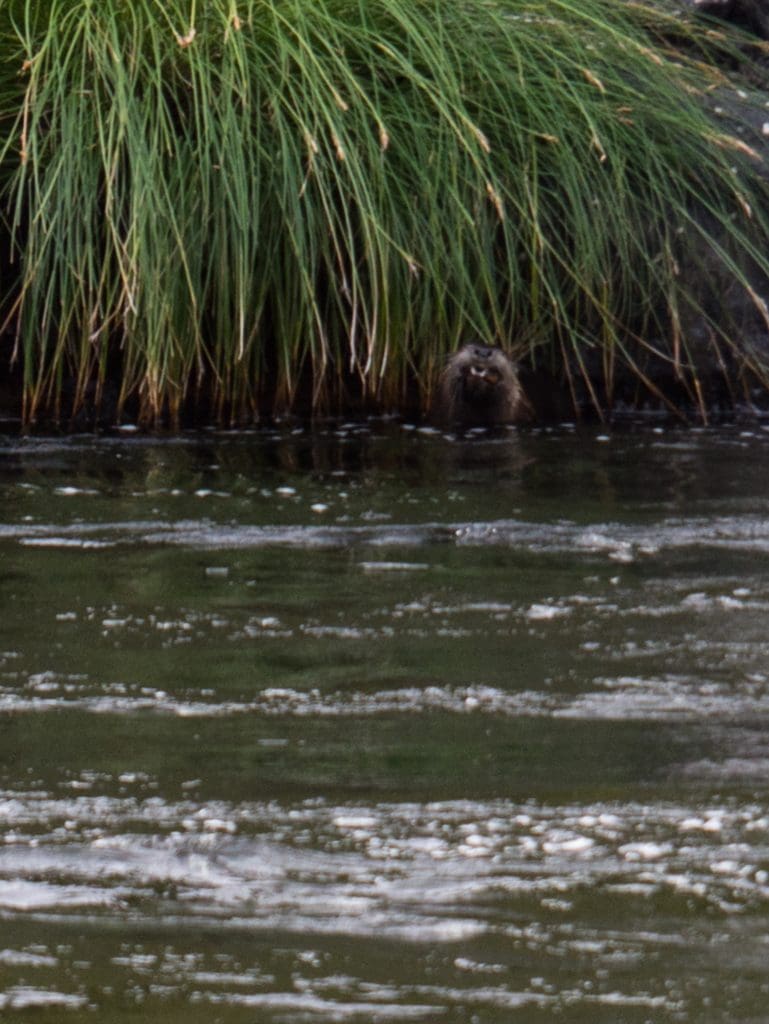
[(479, 388)]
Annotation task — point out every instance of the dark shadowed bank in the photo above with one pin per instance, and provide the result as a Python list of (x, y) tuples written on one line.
[(228, 211)]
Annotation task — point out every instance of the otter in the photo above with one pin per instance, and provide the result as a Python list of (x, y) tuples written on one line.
[(479, 387)]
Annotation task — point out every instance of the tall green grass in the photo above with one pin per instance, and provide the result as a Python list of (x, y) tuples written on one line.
[(256, 201)]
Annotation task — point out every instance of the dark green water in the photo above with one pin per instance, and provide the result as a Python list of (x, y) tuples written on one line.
[(372, 725)]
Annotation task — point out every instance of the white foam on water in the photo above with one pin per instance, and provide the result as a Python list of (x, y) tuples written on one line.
[(22, 997)]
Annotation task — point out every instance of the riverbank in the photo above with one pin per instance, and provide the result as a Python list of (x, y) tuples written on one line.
[(263, 209)]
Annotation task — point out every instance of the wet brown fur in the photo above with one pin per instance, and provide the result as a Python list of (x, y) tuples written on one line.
[(479, 387)]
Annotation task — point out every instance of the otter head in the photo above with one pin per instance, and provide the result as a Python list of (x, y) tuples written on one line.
[(479, 387)]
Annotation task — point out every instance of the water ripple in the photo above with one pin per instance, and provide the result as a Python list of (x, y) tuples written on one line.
[(620, 542), (420, 872), (623, 698)]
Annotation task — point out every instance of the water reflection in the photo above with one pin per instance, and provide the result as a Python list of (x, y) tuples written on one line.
[(277, 707)]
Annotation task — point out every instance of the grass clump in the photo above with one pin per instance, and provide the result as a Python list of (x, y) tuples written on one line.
[(253, 202)]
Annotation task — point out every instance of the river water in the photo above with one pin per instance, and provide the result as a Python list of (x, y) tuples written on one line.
[(368, 724)]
